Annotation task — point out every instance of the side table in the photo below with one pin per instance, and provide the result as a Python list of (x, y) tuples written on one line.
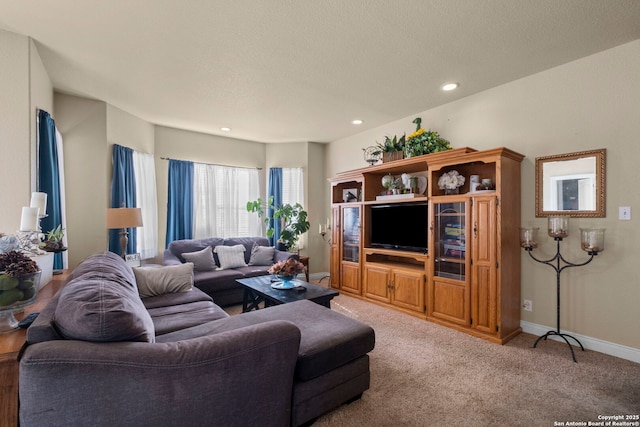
[(10, 345)]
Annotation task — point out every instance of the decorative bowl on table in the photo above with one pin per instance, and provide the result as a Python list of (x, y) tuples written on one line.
[(15, 293), (286, 272), (285, 281), (19, 284)]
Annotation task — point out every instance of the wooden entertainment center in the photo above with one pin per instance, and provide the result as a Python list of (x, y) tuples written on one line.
[(468, 278)]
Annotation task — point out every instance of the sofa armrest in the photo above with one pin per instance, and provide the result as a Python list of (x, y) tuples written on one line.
[(181, 383), (169, 258)]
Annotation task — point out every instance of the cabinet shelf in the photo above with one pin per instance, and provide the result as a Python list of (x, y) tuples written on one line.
[(398, 266), (418, 256), (397, 201)]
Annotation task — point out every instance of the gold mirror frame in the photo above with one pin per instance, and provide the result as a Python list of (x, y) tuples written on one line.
[(600, 183)]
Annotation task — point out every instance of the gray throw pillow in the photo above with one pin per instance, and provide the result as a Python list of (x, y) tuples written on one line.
[(202, 260), (262, 255), (168, 279), (102, 307)]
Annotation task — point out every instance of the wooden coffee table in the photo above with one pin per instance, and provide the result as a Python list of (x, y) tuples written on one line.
[(258, 289)]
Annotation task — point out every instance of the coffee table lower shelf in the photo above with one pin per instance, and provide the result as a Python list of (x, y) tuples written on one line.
[(258, 290)]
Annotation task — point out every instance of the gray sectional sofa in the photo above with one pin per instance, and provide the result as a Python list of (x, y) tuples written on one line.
[(221, 284), (99, 354)]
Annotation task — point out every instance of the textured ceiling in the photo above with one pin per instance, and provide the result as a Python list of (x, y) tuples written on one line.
[(301, 70)]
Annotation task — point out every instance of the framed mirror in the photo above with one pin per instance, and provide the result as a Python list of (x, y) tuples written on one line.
[(571, 184)]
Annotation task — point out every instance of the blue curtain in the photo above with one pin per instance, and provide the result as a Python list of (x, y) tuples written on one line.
[(123, 194), (275, 191), (180, 201), (49, 176)]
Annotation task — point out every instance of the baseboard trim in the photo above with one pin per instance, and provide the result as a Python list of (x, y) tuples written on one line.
[(318, 276), (589, 343)]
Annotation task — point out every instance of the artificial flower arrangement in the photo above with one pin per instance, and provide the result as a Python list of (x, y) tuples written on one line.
[(424, 142), (451, 180), (290, 267)]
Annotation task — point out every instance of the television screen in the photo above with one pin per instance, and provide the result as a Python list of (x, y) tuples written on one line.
[(400, 226)]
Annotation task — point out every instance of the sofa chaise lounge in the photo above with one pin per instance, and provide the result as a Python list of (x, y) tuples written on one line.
[(99, 354)]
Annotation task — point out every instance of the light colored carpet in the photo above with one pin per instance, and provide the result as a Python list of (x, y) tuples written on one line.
[(424, 374)]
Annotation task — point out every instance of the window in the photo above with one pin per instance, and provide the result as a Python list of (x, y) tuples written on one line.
[(292, 186), (293, 192), (220, 196)]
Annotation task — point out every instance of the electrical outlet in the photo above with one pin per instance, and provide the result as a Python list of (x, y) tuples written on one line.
[(528, 305), (624, 213)]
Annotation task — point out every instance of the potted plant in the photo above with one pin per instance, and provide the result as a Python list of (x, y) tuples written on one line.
[(293, 220), (424, 141), (391, 148), (53, 240)]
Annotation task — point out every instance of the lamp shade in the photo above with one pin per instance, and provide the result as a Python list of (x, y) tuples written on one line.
[(124, 217)]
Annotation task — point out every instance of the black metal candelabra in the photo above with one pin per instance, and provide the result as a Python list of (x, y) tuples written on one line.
[(559, 263)]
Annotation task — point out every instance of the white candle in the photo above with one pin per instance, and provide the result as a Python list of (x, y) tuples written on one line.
[(39, 200), (320, 228), (29, 219)]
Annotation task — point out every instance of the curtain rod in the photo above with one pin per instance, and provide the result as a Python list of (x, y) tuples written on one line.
[(212, 164)]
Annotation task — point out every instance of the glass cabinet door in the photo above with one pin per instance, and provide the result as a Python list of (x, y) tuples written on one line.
[(450, 249), (351, 234)]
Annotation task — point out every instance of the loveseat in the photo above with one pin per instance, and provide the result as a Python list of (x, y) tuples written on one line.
[(100, 354), (214, 277)]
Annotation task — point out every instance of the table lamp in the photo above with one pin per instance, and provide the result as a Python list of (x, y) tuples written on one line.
[(124, 218)]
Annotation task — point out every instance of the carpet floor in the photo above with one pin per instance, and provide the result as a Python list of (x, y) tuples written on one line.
[(424, 374)]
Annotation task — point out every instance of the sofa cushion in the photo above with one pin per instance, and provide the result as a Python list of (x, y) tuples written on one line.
[(181, 316), (254, 270), (202, 260), (194, 295), (261, 255), (230, 256), (329, 339), (102, 307), (163, 280)]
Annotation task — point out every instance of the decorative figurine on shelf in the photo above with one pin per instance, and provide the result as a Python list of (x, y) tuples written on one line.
[(450, 182), (372, 155)]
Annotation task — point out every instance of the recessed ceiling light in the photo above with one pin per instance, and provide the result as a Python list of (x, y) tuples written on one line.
[(449, 86), (225, 129), (357, 122)]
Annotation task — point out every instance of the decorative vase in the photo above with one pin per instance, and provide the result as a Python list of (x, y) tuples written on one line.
[(451, 191)]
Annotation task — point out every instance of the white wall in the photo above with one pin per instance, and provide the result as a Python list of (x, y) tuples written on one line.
[(25, 86), (587, 104), (15, 169), (83, 124), (310, 157)]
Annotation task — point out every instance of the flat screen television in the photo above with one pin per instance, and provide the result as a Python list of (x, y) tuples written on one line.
[(400, 226)]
